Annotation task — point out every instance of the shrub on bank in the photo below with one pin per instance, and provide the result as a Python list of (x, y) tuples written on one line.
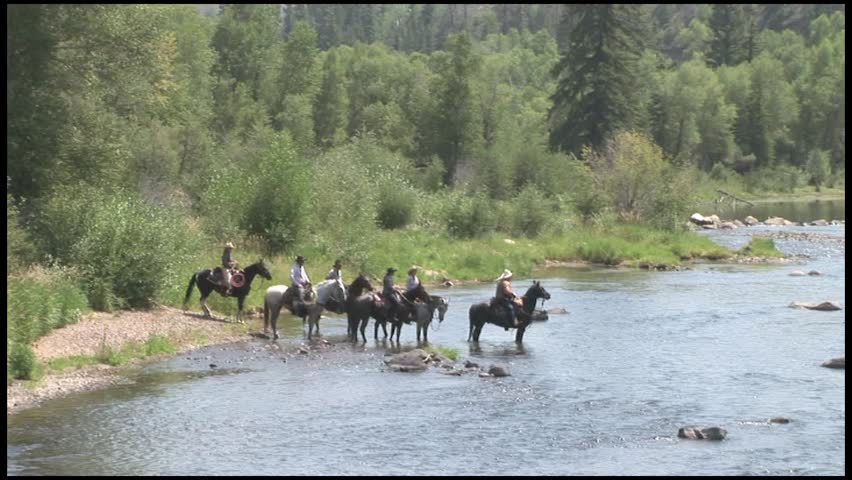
[(124, 249)]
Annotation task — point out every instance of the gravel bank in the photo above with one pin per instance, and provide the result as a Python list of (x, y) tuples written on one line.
[(187, 330)]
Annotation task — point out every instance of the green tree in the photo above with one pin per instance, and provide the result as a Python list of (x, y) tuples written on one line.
[(596, 76), (330, 105), (729, 44), (458, 128), (819, 167)]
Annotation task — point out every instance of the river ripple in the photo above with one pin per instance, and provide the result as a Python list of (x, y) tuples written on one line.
[(600, 391)]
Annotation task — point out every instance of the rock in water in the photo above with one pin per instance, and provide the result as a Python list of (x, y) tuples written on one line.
[(499, 371), (702, 433), (835, 363)]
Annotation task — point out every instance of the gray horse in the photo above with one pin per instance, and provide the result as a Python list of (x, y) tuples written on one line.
[(330, 294), (425, 312)]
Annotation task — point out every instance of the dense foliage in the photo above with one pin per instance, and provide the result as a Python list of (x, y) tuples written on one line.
[(142, 136)]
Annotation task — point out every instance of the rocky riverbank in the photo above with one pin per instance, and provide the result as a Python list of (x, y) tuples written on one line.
[(107, 330)]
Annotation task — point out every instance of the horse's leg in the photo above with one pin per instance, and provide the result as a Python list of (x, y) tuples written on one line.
[(364, 322), (240, 303), (477, 330), (204, 306), (376, 330), (519, 335), (398, 330)]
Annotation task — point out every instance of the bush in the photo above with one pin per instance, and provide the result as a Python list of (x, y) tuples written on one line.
[(279, 196), (396, 206), (472, 217), (818, 167), (124, 249), (21, 362), (531, 212)]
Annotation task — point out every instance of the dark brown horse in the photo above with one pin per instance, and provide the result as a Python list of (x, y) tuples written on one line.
[(359, 305), (206, 286), (482, 313)]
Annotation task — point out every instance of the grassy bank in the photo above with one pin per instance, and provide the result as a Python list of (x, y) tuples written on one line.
[(441, 256)]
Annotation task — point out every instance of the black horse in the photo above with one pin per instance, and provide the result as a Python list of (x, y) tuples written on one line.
[(482, 313), (406, 312), (206, 286), (359, 306)]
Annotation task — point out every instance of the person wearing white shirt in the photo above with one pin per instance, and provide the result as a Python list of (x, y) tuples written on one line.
[(299, 277)]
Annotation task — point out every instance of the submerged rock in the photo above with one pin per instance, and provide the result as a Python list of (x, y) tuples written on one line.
[(557, 310), (413, 360), (798, 273), (702, 433), (835, 363), (499, 371), (777, 221), (824, 306), (779, 420)]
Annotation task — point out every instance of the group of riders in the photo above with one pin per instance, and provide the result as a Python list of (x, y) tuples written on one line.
[(401, 302)]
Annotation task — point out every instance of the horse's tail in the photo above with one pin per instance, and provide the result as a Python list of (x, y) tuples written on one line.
[(189, 290), (470, 314), (265, 311)]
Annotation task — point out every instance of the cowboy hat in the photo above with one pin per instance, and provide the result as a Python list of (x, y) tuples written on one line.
[(229, 245), (391, 270), (412, 269), (506, 274), (337, 263), (300, 258)]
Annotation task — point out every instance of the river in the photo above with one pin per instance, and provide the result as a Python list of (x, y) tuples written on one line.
[(601, 390)]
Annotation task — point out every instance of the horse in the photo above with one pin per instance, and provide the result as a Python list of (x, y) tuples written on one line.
[(207, 286), (381, 312), (330, 294), (359, 306), (424, 314), (480, 313)]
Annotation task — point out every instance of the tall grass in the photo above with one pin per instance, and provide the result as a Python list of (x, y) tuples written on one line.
[(38, 301)]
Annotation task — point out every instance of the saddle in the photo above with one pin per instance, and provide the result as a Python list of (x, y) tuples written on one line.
[(289, 299), (501, 314)]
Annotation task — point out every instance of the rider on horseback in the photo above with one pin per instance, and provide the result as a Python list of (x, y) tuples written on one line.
[(228, 264), (299, 277), (335, 273), (413, 289), (505, 295), (389, 293)]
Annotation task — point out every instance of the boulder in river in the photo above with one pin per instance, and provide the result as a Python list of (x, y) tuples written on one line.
[(824, 306), (702, 433), (819, 223), (410, 361), (835, 363), (751, 221), (499, 371), (777, 221), (779, 420), (798, 273)]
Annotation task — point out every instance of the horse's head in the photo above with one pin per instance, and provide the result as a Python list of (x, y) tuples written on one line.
[(360, 285), (442, 305), (536, 291), (262, 270)]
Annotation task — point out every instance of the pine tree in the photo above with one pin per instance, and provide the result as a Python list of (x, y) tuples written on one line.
[(596, 89), (728, 46), (330, 104)]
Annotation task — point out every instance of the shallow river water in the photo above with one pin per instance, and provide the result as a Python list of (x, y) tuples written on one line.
[(601, 390)]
